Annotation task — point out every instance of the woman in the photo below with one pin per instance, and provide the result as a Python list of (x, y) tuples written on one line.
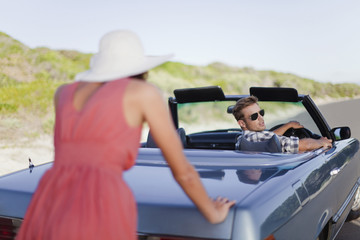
[(97, 133)]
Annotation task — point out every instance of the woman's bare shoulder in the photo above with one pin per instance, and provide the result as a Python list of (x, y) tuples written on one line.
[(142, 89), (57, 92)]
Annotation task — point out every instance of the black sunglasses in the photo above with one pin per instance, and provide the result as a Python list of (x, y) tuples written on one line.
[(255, 116)]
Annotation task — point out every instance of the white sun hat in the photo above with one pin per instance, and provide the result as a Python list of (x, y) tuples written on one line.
[(120, 55)]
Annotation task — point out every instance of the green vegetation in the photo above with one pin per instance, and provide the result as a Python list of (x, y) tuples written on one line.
[(29, 78), (35, 96), (234, 80)]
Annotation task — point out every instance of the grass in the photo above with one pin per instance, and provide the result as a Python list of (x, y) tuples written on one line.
[(35, 96), (27, 110)]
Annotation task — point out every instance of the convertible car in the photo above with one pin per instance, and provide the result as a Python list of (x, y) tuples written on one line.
[(308, 195)]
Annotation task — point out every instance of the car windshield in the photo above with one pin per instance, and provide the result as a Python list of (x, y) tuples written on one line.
[(209, 116)]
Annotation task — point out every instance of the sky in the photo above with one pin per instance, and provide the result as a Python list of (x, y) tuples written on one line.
[(315, 39)]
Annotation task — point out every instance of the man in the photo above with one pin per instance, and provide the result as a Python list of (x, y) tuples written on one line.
[(249, 176), (250, 118)]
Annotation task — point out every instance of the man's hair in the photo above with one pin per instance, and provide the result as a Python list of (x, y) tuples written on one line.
[(241, 104)]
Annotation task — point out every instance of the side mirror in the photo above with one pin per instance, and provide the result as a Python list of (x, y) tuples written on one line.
[(341, 133)]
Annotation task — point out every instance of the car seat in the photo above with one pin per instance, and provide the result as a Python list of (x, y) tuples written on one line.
[(271, 145), (150, 143)]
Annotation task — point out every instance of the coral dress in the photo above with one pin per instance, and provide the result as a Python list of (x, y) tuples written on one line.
[(84, 195)]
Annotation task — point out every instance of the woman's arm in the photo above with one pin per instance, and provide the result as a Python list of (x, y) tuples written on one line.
[(157, 116)]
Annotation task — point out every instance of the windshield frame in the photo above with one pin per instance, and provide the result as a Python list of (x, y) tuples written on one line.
[(306, 101)]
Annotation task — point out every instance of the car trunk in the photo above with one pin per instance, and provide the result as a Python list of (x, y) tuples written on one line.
[(163, 207)]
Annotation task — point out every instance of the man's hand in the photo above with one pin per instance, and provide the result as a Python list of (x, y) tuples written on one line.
[(325, 142), (292, 124)]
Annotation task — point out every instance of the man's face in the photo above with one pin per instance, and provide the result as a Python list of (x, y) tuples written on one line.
[(252, 125), (253, 174)]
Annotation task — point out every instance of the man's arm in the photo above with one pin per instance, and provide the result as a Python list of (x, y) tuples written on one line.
[(307, 144), (293, 124)]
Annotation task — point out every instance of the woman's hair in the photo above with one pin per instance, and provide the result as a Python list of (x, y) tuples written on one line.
[(141, 76), (241, 104)]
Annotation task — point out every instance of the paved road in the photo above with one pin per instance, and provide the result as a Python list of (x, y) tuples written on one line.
[(345, 113)]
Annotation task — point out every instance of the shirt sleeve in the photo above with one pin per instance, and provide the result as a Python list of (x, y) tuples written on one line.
[(289, 144)]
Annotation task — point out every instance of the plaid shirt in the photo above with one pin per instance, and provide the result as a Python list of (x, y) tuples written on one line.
[(288, 144)]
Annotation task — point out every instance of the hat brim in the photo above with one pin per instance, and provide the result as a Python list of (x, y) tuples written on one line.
[(148, 63)]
